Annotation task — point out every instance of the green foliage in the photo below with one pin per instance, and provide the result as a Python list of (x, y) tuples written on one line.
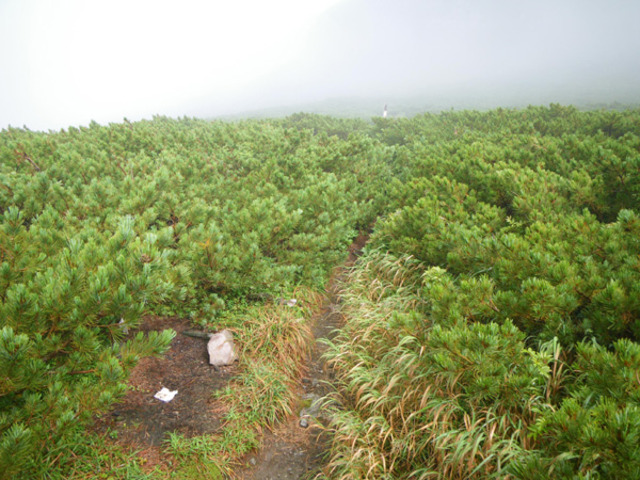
[(558, 273), (492, 330), (517, 314), (100, 226), (420, 396), (64, 308), (196, 458), (596, 430), (46, 401)]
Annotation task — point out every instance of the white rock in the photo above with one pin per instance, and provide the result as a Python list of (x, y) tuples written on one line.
[(165, 394), (221, 349)]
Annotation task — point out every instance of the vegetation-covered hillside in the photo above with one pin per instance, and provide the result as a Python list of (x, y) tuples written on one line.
[(491, 328), (103, 225)]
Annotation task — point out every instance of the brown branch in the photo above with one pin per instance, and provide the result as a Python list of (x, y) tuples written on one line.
[(30, 160), (21, 155), (76, 372)]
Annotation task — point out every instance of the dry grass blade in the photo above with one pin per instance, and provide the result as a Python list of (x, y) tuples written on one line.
[(419, 398)]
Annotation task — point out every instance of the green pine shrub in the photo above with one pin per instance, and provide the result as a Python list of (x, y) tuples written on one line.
[(519, 304), (102, 225), (423, 396)]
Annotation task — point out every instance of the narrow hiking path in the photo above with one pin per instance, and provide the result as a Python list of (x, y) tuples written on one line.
[(139, 422), (292, 451)]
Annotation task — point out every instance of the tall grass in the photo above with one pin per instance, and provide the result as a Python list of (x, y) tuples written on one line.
[(453, 400), (275, 341)]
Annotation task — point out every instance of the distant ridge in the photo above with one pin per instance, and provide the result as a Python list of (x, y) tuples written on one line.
[(366, 108)]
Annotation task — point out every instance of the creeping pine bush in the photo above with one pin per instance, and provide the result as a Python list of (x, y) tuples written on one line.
[(62, 353), (102, 225), (428, 391), (421, 399), (518, 318)]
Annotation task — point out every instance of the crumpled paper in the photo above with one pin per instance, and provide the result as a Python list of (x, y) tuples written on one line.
[(165, 394)]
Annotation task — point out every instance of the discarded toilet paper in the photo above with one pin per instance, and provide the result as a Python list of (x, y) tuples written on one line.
[(165, 394)]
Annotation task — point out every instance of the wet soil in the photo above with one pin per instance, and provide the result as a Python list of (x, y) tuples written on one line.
[(142, 421), (293, 452)]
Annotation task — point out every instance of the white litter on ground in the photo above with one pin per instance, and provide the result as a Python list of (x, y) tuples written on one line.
[(292, 302), (165, 394)]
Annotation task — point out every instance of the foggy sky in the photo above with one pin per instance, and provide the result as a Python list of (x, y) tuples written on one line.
[(476, 52), (64, 63)]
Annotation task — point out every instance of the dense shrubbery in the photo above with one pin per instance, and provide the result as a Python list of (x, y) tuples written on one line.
[(102, 225), (492, 327), (501, 339)]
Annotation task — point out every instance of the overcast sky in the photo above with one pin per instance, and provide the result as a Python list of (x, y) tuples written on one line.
[(67, 62)]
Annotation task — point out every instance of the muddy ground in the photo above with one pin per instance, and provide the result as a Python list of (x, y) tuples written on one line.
[(292, 452), (142, 422)]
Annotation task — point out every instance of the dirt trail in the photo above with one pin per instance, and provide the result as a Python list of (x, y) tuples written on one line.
[(140, 422), (292, 452)]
